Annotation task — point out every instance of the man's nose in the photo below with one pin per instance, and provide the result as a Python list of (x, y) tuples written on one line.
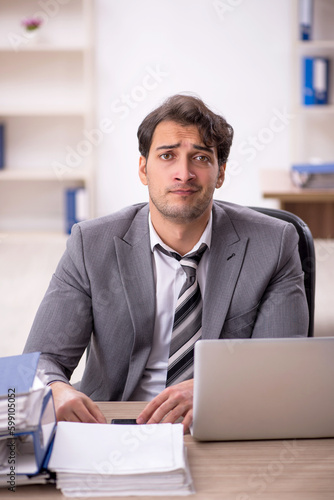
[(184, 171)]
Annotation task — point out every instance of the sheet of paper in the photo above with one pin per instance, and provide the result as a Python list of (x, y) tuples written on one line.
[(116, 449)]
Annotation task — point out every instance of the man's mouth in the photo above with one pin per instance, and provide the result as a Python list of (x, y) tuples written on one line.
[(184, 191)]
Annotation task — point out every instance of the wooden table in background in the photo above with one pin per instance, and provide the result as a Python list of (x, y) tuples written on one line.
[(239, 470), (314, 206)]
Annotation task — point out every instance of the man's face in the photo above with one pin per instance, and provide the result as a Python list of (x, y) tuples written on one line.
[(181, 173)]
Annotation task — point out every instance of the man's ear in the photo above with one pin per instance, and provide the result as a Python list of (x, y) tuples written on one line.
[(221, 176), (142, 170)]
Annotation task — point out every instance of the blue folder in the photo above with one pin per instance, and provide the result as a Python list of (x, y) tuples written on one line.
[(18, 372), (27, 443), (315, 80)]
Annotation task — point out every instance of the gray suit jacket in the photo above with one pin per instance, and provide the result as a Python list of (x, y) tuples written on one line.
[(103, 290)]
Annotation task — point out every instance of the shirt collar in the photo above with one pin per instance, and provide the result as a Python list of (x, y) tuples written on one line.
[(205, 238)]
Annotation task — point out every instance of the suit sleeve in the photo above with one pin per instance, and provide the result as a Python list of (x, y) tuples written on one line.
[(63, 324), (283, 310)]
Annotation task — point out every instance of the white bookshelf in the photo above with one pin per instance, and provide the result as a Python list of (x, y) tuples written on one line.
[(312, 129), (46, 105), (38, 174)]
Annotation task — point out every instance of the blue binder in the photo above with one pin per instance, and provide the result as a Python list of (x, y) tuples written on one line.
[(27, 444), (305, 19), (315, 80), (311, 176), (18, 372), (33, 444), (70, 210), (309, 168), (76, 207)]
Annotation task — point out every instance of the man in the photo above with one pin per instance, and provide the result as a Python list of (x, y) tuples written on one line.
[(122, 276)]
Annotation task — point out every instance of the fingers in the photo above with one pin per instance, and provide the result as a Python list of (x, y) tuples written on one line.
[(187, 421), (151, 408), (96, 412), (80, 409), (171, 404), (74, 406)]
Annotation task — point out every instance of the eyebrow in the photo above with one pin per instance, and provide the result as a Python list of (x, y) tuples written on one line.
[(203, 148), (169, 146), (195, 146)]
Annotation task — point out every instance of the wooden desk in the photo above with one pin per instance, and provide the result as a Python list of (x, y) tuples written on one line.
[(264, 470), (314, 206)]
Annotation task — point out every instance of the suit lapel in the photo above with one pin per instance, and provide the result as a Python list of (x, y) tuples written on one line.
[(136, 271), (135, 267), (226, 257)]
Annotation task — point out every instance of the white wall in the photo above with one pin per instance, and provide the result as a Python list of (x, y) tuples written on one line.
[(234, 54)]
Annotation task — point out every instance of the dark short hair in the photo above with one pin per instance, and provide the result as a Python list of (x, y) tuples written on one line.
[(188, 110)]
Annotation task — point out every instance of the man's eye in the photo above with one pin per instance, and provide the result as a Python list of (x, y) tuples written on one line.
[(166, 156), (202, 158)]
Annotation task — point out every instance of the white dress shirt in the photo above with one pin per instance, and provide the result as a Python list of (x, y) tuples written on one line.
[(169, 278)]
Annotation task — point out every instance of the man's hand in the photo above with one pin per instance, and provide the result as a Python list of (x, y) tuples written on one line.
[(174, 402), (74, 406)]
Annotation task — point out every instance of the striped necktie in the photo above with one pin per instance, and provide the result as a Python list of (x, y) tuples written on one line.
[(187, 327)]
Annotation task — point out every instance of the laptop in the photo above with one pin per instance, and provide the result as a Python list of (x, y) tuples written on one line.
[(279, 388)]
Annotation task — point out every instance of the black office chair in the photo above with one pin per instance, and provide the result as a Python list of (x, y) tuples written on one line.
[(306, 252)]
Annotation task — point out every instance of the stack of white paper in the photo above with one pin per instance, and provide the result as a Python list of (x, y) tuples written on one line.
[(105, 460)]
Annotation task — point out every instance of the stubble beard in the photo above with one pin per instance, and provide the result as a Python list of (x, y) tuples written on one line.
[(181, 214)]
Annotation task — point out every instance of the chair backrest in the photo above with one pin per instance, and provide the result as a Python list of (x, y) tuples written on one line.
[(306, 252)]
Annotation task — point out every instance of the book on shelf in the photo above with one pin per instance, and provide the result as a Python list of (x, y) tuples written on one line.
[(2, 146), (305, 19), (27, 419), (76, 207), (315, 80), (313, 176)]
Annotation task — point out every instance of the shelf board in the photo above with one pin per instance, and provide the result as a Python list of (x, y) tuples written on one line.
[(45, 111), (278, 184), (316, 44), (44, 48), (47, 174), (316, 109), (31, 236)]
